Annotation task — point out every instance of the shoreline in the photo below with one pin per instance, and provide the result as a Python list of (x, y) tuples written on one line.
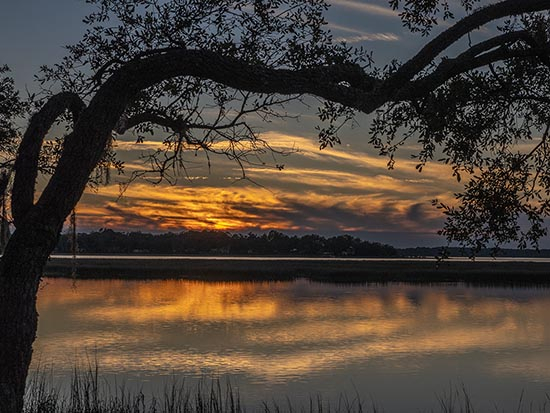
[(376, 270)]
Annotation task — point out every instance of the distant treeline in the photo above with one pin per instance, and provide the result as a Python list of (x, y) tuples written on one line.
[(107, 241)]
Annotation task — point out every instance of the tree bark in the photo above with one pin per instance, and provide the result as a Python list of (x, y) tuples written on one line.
[(4, 224), (20, 269)]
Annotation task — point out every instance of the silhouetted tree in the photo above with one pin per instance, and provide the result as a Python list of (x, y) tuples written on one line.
[(149, 62)]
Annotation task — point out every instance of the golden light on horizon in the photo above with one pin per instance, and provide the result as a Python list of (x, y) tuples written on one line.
[(245, 208), (339, 190)]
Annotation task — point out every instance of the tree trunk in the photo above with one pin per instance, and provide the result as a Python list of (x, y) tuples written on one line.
[(4, 234), (20, 271), (4, 224)]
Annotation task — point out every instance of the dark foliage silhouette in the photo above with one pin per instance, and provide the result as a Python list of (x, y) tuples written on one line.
[(222, 243)]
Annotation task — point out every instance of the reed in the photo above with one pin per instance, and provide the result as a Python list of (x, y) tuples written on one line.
[(87, 393)]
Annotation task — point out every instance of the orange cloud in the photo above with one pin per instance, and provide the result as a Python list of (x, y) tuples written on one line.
[(248, 207), (335, 190)]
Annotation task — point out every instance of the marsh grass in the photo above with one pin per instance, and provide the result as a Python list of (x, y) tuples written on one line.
[(88, 393)]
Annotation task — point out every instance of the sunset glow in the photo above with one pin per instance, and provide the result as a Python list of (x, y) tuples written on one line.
[(336, 190)]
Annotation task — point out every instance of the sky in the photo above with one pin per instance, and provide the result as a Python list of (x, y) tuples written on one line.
[(345, 189)]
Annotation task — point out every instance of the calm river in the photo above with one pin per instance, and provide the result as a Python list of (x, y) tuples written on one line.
[(400, 346)]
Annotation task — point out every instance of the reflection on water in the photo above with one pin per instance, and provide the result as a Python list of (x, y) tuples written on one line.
[(399, 344)]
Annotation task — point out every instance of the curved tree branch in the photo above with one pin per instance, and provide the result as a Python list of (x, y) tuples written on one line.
[(344, 83), (440, 43), (26, 163), (480, 55), (126, 124), (506, 39)]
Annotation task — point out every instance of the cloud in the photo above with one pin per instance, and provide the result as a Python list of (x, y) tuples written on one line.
[(343, 158), (331, 191), (353, 214), (251, 208), (347, 29), (342, 182), (361, 35), (368, 37), (367, 8), (177, 208), (122, 145)]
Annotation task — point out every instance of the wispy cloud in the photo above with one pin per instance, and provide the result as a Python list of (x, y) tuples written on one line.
[(361, 35), (341, 156), (367, 8), (368, 37), (347, 29), (124, 145)]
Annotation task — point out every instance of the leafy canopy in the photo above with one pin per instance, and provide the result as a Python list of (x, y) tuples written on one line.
[(11, 107)]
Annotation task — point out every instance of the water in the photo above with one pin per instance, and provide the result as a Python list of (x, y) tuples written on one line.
[(294, 258), (400, 346)]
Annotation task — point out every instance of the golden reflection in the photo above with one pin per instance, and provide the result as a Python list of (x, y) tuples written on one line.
[(273, 330)]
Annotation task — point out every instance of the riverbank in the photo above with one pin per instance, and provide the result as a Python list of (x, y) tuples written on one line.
[(327, 270)]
